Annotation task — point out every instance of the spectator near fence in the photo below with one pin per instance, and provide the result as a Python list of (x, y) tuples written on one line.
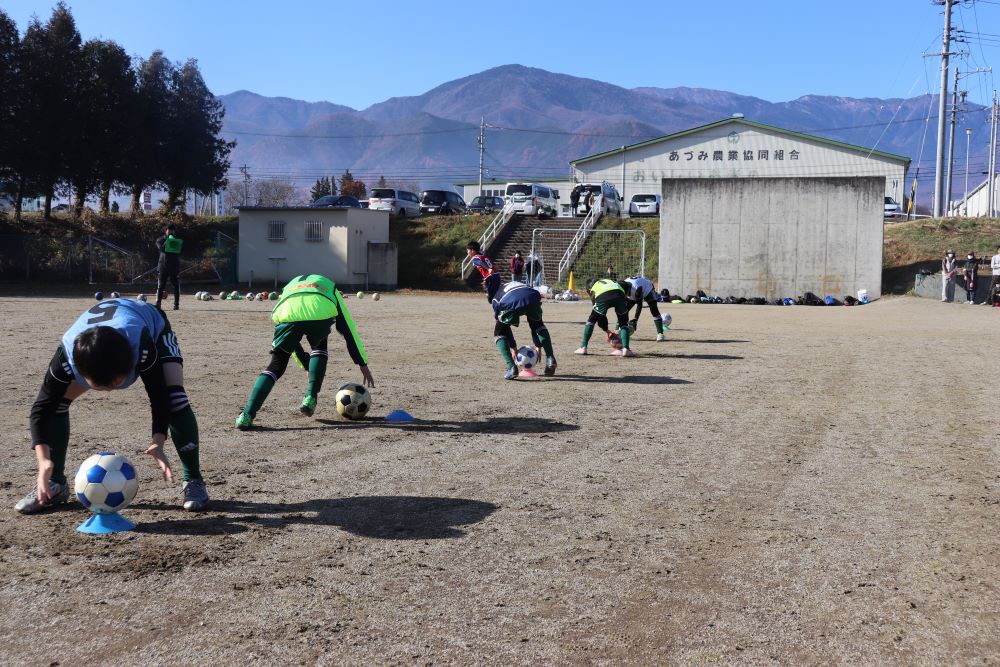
[(169, 265), (948, 267), (994, 279), (971, 273), (517, 267)]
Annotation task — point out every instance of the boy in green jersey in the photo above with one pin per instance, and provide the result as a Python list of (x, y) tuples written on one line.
[(606, 295), (309, 306)]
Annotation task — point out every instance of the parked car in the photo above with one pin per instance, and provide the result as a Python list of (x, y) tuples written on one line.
[(644, 205), (531, 199), (336, 201), (486, 204), (892, 208), (397, 202), (611, 202), (441, 202), (364, 203)]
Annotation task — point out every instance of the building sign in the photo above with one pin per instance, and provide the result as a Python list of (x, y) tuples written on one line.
[(745, 155)]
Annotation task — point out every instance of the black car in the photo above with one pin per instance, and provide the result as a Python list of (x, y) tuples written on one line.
[(485, 204), (441, 202), (336, 201)]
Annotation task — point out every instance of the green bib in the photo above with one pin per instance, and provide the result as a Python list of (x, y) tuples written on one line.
[(172, 244), (306, 298), (605, 285)]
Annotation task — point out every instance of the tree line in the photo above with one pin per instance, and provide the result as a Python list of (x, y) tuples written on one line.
[(85, 119)]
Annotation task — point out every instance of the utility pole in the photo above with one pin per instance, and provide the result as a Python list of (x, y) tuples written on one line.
[(481, 140), (991, 181), (939, 191), (951, 141), (246, 183), (968, 146)]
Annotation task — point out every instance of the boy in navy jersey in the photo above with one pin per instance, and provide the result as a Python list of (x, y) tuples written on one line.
[(510, 302)]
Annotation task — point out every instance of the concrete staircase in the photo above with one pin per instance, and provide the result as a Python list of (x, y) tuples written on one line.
[(518, 234)]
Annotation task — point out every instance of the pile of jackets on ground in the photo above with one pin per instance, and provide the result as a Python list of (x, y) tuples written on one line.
[(807, 299)]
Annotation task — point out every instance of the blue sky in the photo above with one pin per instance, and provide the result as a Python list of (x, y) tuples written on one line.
[(360, 53)]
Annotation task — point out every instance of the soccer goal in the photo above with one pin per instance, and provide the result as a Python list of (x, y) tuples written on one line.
[(109, 263), (601, 253)]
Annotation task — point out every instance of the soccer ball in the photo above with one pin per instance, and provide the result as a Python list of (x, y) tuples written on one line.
[(376, 296), (667, 320), (273, 296), (526, 357), (353, 401), (222, 295), (115, 295), (250, 296), (141, 297), (106, 483), (360, 295), (99, 295), (234, 295), (614, 340)]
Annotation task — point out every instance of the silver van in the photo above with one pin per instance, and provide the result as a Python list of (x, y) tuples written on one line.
[(398, 202), (532, 199)]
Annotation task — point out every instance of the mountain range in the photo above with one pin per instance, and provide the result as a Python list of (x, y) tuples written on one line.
[(538, 121)]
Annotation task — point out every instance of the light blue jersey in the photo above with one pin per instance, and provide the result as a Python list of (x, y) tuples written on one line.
[(135, 320)]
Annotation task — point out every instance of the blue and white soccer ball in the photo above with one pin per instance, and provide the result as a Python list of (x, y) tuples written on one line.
[(106, 483), (99, 296), (667, 319), (526, 357)]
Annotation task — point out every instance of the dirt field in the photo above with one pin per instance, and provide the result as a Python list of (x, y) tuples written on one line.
[(795, 485)]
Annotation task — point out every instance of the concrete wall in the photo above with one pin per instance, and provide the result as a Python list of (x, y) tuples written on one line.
[(383, 264), (929, 287), (978, 204), (341, 254), (772, 237)]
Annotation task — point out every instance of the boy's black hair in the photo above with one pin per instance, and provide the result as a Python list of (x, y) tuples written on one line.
[(170, 227), (474, 245), (102, 355)]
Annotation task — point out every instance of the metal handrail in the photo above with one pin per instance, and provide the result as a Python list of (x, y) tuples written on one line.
[(492, 231), (576, 244)]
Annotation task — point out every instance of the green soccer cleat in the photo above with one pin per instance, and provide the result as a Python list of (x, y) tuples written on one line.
[(244, 422), (308, 407)]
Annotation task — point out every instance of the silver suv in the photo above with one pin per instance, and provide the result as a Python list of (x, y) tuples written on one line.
[(398, 202)]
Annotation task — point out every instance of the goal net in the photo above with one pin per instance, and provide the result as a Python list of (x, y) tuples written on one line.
[(557, 253)]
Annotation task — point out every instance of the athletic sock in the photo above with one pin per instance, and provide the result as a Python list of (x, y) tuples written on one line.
[(623, 334), (658, 323), (505, 352), (317, 371), (546, 341), (261, 388), (184, 433), (58, 443), (588, 331)]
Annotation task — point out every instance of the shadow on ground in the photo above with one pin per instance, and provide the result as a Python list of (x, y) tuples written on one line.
[(671, 355), (382, 517), (623, 379)]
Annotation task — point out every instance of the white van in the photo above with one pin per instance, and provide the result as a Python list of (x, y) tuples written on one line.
[(397, 202), (531, 199), (611, 202)]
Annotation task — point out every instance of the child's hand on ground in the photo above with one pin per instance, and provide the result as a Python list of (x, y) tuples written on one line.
[(366, 374), (156, 451)]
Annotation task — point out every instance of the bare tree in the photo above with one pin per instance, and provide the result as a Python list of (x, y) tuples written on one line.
[(262, 192)]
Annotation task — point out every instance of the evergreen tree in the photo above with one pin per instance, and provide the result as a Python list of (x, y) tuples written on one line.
[(51, 74), (107, 86), (146, 131), (196, 158), (321, 189), (10, 118)]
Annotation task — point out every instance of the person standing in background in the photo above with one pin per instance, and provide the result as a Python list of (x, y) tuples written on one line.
[(517, 267), (994, 279), (169, 265), (971, 273), (948, 267)]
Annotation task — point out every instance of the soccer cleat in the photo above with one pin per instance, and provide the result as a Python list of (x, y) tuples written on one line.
[(550, 366), (308, 406), (581, 350), (660, 338), (623, 353), (30, 504), (195, 495), (510, 374), (244, 422)]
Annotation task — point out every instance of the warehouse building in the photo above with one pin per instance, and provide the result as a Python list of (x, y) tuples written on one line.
[(348, 245), (754, 210)]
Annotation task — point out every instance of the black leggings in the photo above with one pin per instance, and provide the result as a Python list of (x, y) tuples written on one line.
[(161, 284)]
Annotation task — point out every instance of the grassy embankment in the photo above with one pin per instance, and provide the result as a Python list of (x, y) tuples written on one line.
[(910, 246)]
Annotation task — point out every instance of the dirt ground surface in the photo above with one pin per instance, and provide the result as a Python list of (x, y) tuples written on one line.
[(794, 485)]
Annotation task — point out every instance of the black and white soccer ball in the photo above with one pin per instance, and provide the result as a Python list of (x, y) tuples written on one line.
[(353, 401), (526, 357)]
